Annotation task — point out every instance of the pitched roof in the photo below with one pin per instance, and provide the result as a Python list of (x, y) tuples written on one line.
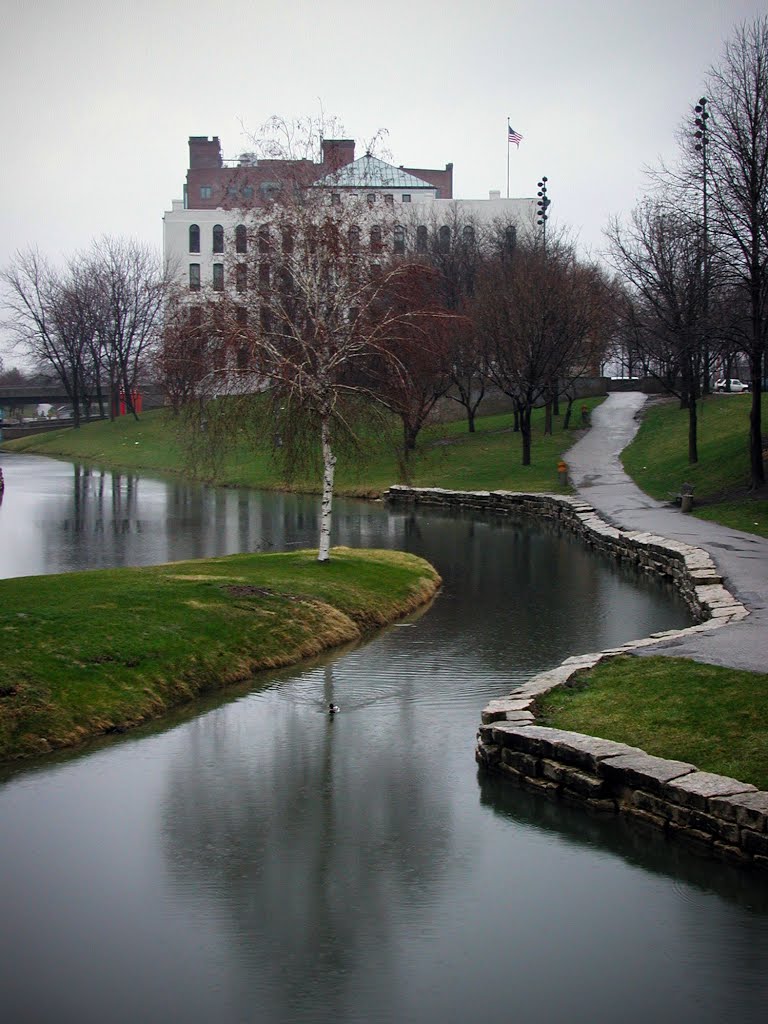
[(370, 172)]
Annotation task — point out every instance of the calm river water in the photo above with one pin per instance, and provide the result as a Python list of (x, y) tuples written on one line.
[(252, 860)]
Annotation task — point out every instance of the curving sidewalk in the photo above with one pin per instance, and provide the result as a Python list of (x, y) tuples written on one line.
[(741, 558)]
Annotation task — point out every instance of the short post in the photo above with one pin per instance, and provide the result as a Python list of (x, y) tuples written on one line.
[(584, 416), (686, 497), (562, 472)]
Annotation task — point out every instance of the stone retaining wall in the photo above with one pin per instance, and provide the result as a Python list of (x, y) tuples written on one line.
[(716, 815)]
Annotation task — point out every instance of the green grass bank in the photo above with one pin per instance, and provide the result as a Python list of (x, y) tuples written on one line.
[(671, 707), (93, 652), (447, 455), (657, 459)]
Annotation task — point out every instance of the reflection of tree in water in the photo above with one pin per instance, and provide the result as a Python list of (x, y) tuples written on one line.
[(308, 831)]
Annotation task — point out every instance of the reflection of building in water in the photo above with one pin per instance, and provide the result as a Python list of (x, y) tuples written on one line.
[(103, 526)]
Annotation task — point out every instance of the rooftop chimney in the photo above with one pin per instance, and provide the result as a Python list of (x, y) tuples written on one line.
[(338, 153), (204, 152)]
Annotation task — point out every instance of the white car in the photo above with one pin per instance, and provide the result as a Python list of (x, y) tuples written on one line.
[(737, 386)]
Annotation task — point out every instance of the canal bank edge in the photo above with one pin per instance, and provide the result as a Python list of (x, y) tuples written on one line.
[(715, 815)]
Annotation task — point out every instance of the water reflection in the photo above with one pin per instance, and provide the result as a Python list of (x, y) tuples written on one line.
[(255, 859), (309, 838)]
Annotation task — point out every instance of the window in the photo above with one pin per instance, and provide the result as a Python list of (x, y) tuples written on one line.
[(468, 235), (286, 280), (247, 192), (194, 238), (218, 238), (264, 239), (268, 189), (241, 239), (353, 237), (371, 198), (335, 199), (241, 277), (287, 241), (444, 239), (398, 238), (510, 239), (232, 191), (206, 192), (266, 319), (421, 238), (406, 198), (218, 277), (264, 274), (376, 238), (389, 200), (194, 277)]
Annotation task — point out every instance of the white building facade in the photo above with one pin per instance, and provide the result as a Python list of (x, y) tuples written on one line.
[(224, 206)]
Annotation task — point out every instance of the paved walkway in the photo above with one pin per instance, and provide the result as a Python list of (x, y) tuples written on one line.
[(741, 558)]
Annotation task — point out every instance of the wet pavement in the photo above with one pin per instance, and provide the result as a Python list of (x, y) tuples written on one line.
[(742, 558)]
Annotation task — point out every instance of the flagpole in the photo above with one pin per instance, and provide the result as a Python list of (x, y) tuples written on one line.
[(508, 127)]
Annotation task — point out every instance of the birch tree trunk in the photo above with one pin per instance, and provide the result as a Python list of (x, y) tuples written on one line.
[(329, 468)]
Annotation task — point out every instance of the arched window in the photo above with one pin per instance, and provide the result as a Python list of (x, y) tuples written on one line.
[(353, 237), (241, 239), (468, 235), (264, 239), (376, 238), (286, 280), (421, 238), (218, 238), (444, 239), (194, 238), (398, 238), (510, 239)]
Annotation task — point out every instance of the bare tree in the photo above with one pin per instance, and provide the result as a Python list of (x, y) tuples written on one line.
[(418, 349), (737, 89), (540, 314), (97, 316), (130, 291), (661, 256), (43, 315), (454, 248)]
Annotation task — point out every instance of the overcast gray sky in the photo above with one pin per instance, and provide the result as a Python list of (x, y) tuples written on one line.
[(99, 97)]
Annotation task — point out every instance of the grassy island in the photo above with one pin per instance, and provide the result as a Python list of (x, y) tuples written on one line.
[(89, 653)]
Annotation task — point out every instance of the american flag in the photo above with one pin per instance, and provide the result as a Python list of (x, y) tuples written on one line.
[(513, 136)]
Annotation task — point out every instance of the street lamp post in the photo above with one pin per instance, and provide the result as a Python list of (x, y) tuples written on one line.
[(543, 205), (702, 142)]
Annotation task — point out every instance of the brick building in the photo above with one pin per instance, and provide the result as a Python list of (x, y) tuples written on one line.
[(223, 199)]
